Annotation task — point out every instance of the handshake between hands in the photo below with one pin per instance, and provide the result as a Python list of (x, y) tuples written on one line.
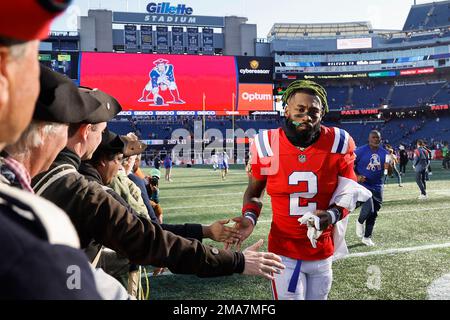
[(257, 263)]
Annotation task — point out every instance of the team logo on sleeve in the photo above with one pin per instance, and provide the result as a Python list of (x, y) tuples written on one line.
[(374, 163)]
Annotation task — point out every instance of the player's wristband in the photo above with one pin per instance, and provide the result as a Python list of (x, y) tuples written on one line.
[(251, 211), (385, 172), (335, 215), (251, 216)]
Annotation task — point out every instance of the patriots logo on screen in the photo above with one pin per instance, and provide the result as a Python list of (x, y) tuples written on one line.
[(162, 80)]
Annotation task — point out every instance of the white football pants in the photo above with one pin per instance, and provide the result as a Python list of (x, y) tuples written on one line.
[(303, 280)]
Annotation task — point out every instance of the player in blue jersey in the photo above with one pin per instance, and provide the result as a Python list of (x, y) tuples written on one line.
[(370, 168), (161, 78)]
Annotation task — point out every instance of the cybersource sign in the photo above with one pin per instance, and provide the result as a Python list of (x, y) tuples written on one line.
[(255, 69)]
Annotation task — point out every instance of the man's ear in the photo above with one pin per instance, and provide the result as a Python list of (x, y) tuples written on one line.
[(4, 83), (286, 111), (102, 162), (84, 131)]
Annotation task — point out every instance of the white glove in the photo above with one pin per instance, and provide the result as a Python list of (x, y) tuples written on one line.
[(313, 223)]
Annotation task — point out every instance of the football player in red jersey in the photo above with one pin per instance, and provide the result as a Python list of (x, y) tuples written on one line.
[(299, 164)]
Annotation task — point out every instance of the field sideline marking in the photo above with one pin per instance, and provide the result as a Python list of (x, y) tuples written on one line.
[(378, 252), (239, 204), (241, 192), (397, 250), (202, 196), (382, 212), (440, 288), (204, 207)]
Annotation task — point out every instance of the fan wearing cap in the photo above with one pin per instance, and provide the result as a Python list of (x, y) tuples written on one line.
[(22, 25), (300, 165), (98, 216), (46, 135), (123, 185), (103, 168), (30, 227), (161, 77), (106, 167), (59, 104)]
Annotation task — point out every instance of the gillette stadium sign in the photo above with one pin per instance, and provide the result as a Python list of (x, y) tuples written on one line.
[(166, 13), (166, 8)]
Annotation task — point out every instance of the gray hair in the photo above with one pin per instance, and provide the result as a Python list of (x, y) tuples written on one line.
[(16, 48), (31, 137)]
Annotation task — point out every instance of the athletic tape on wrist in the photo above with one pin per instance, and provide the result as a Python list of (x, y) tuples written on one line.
[(252, 217), (335, 215)]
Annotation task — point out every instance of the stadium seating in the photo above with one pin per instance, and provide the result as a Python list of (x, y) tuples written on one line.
[(337, 97), (428, 16), (120, 126), (443, 96), (416, 18), (366, 97), (410, 95)]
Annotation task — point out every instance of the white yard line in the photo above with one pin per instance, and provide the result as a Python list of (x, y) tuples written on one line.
[(398, 250), (442, 192), (232, 205), (204, 207), (383, 212), (204, 195), (435, 291), (440, 288)]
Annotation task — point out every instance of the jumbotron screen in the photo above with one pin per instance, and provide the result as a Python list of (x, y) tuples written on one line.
[(152, 82)]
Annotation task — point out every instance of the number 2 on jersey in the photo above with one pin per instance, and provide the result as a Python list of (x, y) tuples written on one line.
[(295, 209)]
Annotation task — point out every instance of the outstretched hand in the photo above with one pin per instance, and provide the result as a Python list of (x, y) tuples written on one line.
[(218, 231), (245, 228), (263, 264)]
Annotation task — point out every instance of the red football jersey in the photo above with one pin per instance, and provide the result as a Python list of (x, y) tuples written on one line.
[(300, 181)]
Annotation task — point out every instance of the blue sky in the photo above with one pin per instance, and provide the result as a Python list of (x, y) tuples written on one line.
[(383, 14)]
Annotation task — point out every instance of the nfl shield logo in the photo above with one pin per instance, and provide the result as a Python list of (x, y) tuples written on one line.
[(302, 158)]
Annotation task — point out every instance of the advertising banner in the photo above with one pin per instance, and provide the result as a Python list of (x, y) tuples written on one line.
[(168, 20), (255, 69), (255, 97), (62, 62), (149, 82), (354, 43)]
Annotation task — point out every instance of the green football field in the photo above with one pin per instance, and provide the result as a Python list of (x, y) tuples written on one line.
[(412, 239)]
